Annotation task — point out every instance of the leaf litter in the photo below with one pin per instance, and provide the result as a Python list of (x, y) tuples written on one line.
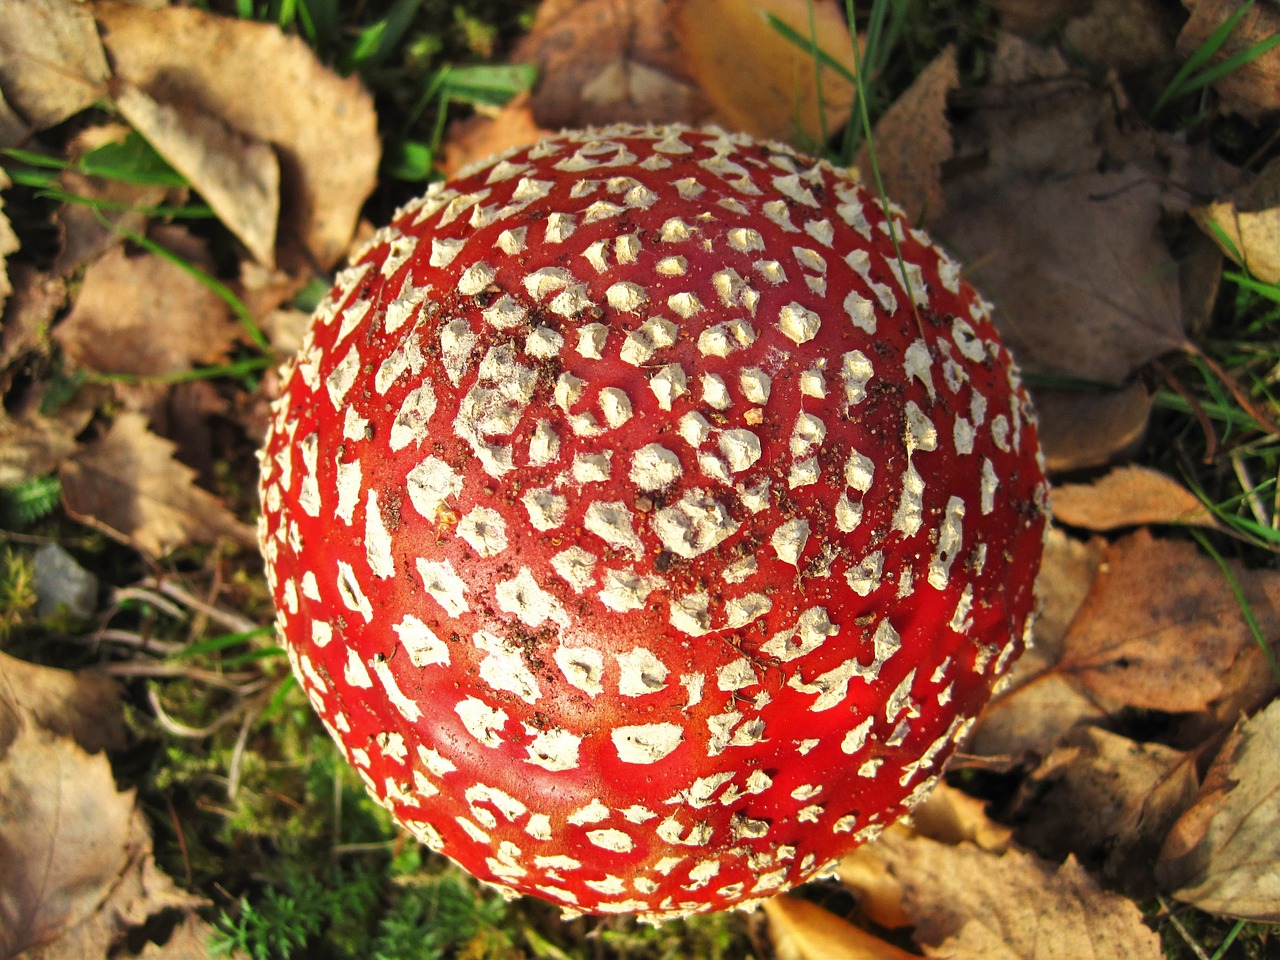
[(1037, 173)]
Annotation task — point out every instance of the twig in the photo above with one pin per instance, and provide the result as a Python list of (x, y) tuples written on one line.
[(237, 754), (1182, 931), (226, 618)]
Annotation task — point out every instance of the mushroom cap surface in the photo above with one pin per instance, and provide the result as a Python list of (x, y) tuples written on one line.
[(645, 531)]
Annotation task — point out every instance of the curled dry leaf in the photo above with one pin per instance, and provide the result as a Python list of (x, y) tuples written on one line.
[(1223, 855), (269, 87), (51, 61), (760, 81), (1069, 247), (1125, 35), (804, 931), (1108, 799), (1252, 89), (1160, 629), (1084, 429), (106, 209), (76, 868), (913, 140), (969, 904), (83, 706), (31, 445), (479, 137), (948, 816), (1250, 238), (128, 485), (1128, 496), (8, 244), (238, 176), (608, 61), (144, 316)]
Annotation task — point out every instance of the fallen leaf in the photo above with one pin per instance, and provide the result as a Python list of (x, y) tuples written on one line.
[(128, 485), (913, 140), (1071, 254), (13, 130), (1251, 239), (804, 931), (1128, 496), (1224, 854), (105, 209), (31, 446), (478, 137), (146, 317), (267, 86), (8, 244), (1031, 17), (759, 80), (1253, 88), (189, 941), (83, 706), (608, 61), (76, 869), (237, 176), (1057, 209), (969, 904), (1160, 629), (953, 817), (948, 816), (52, 64), (1124, 35), (1084, 429), (1109, 800), (35, 301)]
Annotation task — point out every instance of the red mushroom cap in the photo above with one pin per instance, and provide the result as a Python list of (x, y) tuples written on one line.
[(644, 530)]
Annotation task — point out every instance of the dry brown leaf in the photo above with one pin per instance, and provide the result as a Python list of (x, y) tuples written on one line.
[(51, 61), (1224, 854), (913, 140), (948, 816), (75, 857), (804, 931), (1128, 496), (479, 137), (1161, 627), (107, 209), (951, 816), (1061, 228), (1252, 239), (608, 61), (8, 244), (968, 904), (759, 81), (1124, 35), (238, 176), (82, 706), (36, 299), (1159, 630), (1109, 800), (267, 86), (144, 316), (128, 485), (31, 446), (13, 130), (1031, 17), (1253, 89), (189, 941), (1072, 255), (1081, 430)]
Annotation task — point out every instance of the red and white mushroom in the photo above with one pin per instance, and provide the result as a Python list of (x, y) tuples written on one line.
[(644, 527)]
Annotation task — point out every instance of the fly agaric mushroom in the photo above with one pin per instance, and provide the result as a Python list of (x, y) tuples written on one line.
[(649, 512)]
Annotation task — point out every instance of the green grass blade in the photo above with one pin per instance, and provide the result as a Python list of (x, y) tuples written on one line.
[(809, 46)]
